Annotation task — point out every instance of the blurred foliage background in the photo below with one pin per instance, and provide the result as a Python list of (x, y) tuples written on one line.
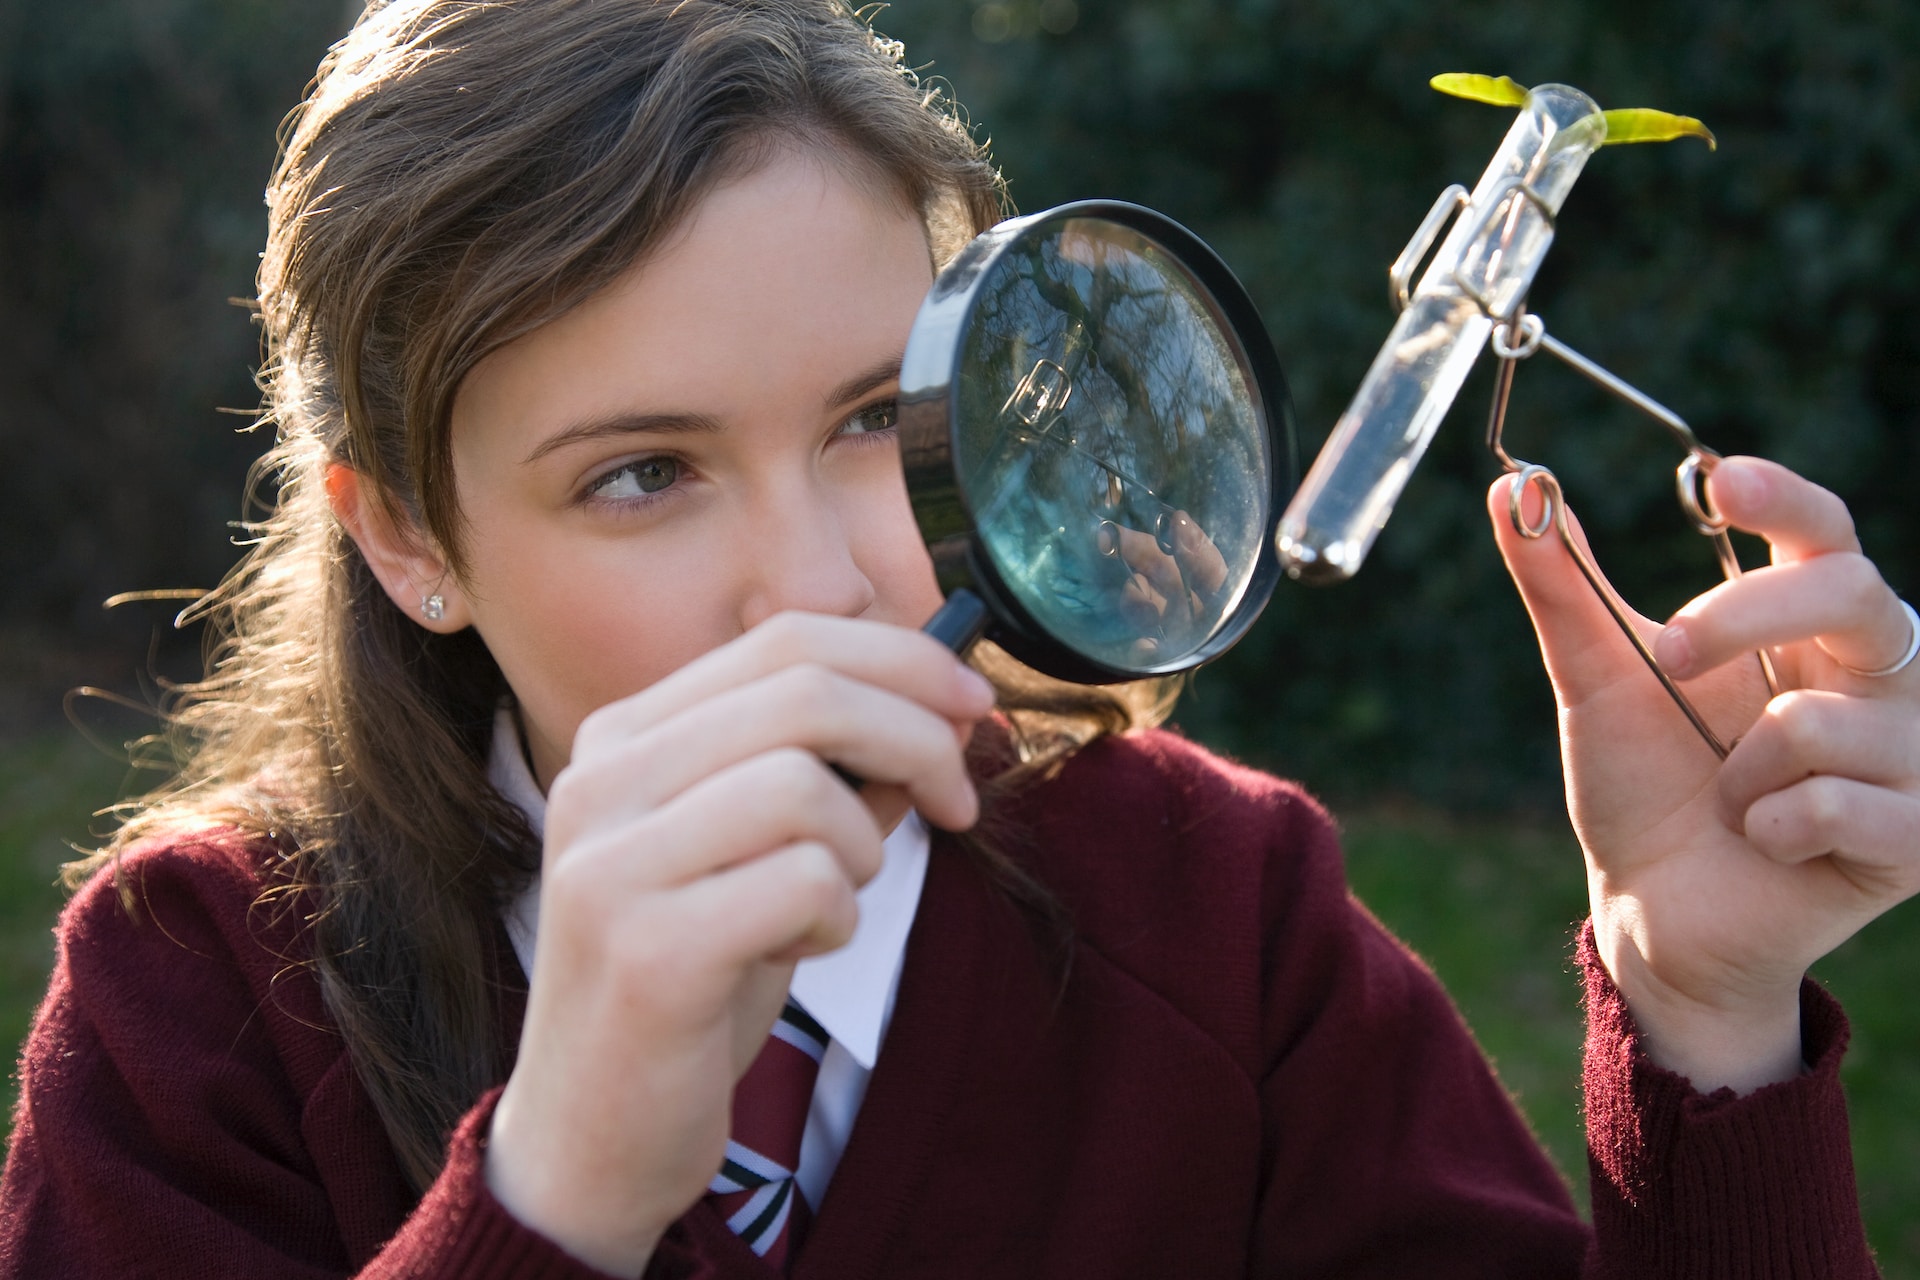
[(135, 141), (1769, 292), (1766, 291)]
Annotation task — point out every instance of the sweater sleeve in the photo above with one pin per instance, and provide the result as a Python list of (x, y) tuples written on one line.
[(1717, 1186), (186, 1110)]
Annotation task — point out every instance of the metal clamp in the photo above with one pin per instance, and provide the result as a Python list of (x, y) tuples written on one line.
[(1497, 199), (1400, 275), (1698, 463), (1043, 392)]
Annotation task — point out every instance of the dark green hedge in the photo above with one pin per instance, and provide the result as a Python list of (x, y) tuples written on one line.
[(135, 142), (1767, 291)]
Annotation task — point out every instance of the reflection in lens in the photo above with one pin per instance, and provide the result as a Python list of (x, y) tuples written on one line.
[(1110, 445)]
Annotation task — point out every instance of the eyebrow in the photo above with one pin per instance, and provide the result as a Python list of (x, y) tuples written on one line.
[(861, 383), (623, 424)]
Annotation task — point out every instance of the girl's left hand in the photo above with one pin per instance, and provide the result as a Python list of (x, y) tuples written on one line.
[(1714, 886)]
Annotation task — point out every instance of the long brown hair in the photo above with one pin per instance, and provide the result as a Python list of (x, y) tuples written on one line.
[(460, 174)]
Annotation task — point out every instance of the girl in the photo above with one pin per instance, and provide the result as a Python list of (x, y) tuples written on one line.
[(508, 832)]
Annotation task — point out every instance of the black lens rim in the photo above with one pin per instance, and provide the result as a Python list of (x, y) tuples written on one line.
[(929, 411)]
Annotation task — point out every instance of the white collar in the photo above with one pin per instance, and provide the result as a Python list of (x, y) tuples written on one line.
[(850, 991)]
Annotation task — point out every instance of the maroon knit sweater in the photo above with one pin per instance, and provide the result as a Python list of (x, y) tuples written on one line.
[(1241, 1074)]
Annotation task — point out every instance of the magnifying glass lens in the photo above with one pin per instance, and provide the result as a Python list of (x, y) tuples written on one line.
[(1095, 435), (1116, 459)]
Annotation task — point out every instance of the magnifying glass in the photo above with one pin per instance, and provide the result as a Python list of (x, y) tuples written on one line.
[(1097, 439)]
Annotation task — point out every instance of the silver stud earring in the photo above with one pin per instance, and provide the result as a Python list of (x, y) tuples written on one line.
[(433, 607)]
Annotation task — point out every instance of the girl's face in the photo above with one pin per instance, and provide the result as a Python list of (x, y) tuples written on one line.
[(705, 443)]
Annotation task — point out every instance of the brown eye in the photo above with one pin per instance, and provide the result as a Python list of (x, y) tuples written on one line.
[(649, 475), (872, 419), (656, 474)]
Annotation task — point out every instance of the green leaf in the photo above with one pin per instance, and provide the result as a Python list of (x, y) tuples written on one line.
[(1642, 124), (1498, 92)]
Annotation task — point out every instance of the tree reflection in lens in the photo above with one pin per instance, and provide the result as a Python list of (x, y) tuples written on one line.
[(1102, 398)]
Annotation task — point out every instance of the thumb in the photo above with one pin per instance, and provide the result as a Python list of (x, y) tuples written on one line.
[(1580, 643)]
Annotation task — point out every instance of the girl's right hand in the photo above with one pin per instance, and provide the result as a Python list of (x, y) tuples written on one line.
[(697, 845)]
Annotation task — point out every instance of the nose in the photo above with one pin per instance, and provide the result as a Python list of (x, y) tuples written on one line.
[(802, 558)]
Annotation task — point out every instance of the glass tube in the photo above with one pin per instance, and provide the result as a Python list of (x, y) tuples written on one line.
[(1482, 271)]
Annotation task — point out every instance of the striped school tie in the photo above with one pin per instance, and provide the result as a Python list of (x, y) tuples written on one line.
[(755, 1189)]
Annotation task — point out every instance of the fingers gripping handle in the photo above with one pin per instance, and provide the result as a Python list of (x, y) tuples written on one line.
[(957, 624)]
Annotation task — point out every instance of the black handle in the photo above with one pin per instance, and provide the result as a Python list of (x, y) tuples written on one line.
[(959, 622)]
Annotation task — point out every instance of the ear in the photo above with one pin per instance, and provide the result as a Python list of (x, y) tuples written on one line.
[(404, 560)]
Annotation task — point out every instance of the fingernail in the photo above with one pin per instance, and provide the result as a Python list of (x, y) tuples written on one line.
[(979, 690), (973, 809), (1739, 484), (1673, 651)]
